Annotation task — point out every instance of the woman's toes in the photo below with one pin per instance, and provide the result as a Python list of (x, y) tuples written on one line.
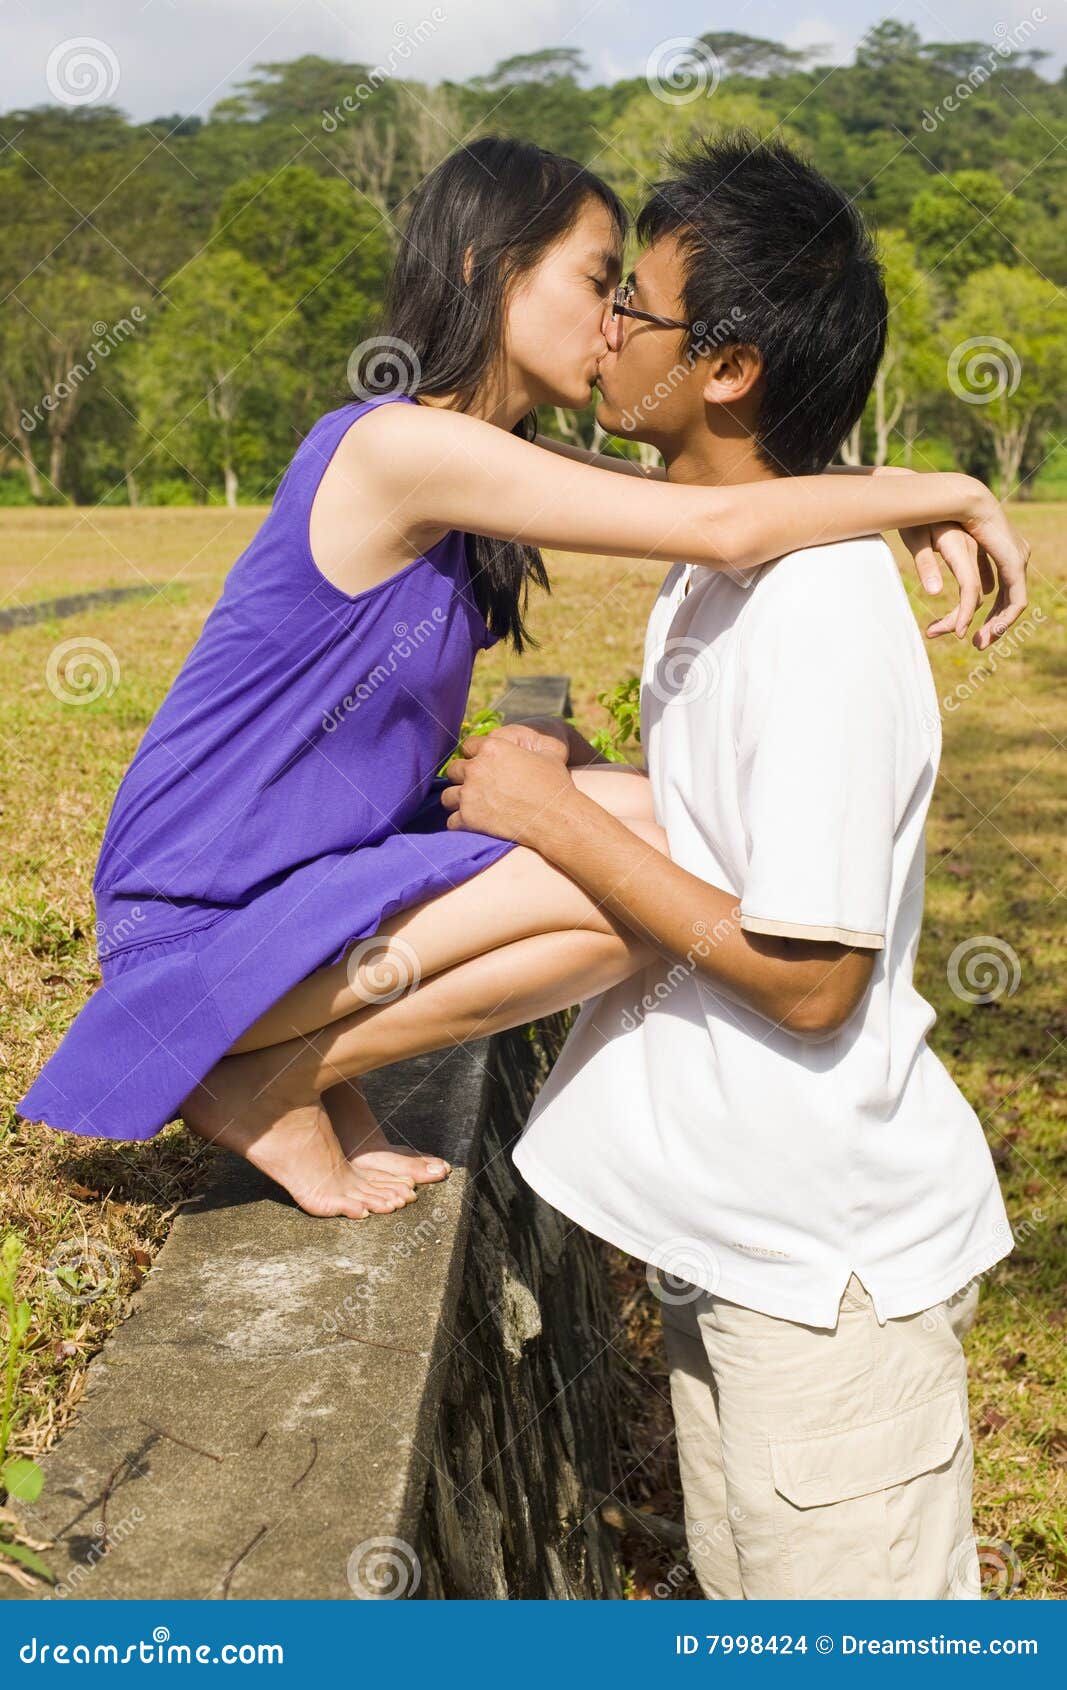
[(384, 1205), (404, 1165), (385, 1200), (387, 1181), (323, 1204), (433, 1169)]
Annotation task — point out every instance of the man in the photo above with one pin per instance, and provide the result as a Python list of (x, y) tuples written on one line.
[(759, 1116)]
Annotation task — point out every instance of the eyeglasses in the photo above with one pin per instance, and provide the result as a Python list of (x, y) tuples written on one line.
[(621, 307)]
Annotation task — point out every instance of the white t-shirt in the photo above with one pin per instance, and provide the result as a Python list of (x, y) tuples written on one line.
[(792, 737)]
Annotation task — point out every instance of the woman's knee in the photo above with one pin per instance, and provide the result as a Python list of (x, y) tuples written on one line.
[(624, 792)]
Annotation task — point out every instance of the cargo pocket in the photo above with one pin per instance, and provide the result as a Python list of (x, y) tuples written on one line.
[(872, 1510)]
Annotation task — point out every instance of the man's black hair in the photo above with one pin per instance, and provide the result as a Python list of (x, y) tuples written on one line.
[(773, 249)]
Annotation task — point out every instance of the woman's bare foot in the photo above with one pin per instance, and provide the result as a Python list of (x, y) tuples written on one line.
[(365, 1145), (274, 1120)]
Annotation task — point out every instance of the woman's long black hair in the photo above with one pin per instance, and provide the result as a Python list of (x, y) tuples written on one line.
[(505, 203)]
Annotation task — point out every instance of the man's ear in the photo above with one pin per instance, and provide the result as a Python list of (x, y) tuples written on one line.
[(732, 372)]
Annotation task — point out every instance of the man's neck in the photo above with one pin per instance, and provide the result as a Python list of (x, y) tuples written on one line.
[(706, 460)]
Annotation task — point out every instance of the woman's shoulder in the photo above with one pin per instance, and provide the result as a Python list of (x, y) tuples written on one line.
[(362, 452), (339, 418), (389, 418)]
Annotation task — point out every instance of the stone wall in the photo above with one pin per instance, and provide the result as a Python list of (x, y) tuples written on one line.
[(521, 1455)]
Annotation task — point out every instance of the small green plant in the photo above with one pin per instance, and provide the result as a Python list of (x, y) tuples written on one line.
[(41, 928), (623, 705), (21, 1479), (482, 722)]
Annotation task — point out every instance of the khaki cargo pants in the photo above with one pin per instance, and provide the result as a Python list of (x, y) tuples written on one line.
[(822, 1463)]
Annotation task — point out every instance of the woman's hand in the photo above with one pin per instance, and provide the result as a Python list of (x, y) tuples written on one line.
[(547, 735), (966, 552), (1003, 549), (552, 736)]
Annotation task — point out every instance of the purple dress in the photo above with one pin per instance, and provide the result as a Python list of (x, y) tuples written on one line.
[(282, 804)]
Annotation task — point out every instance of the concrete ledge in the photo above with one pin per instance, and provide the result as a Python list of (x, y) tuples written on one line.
[(415, 1405), (535, 695)]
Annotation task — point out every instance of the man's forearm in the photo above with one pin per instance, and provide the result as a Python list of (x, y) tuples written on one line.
[(600, 460), (686, 918)]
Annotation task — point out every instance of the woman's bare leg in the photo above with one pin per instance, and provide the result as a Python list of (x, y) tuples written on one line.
[(627, 794), (516, 897), (507, 987), (249, 1106), (266, 1104)]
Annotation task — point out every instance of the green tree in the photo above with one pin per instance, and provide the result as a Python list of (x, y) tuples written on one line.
[(292, 92), (888, 46), (753, 55), (550, 64), (963, 223), (322, 247), (60, 329), (219, 373), (912, 364), (1006, 350), (632, 158)]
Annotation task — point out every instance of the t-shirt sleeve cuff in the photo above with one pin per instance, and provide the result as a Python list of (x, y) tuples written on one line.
[(808, 930)]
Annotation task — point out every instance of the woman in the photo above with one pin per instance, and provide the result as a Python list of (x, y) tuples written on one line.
[(282, 812)]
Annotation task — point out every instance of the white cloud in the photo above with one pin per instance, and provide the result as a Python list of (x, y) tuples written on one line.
[(839, 41)]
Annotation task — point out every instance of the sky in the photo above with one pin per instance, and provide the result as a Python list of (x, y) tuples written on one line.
[(159, 57)]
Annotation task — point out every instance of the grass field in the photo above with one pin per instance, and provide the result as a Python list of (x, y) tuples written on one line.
[(995, 869)]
